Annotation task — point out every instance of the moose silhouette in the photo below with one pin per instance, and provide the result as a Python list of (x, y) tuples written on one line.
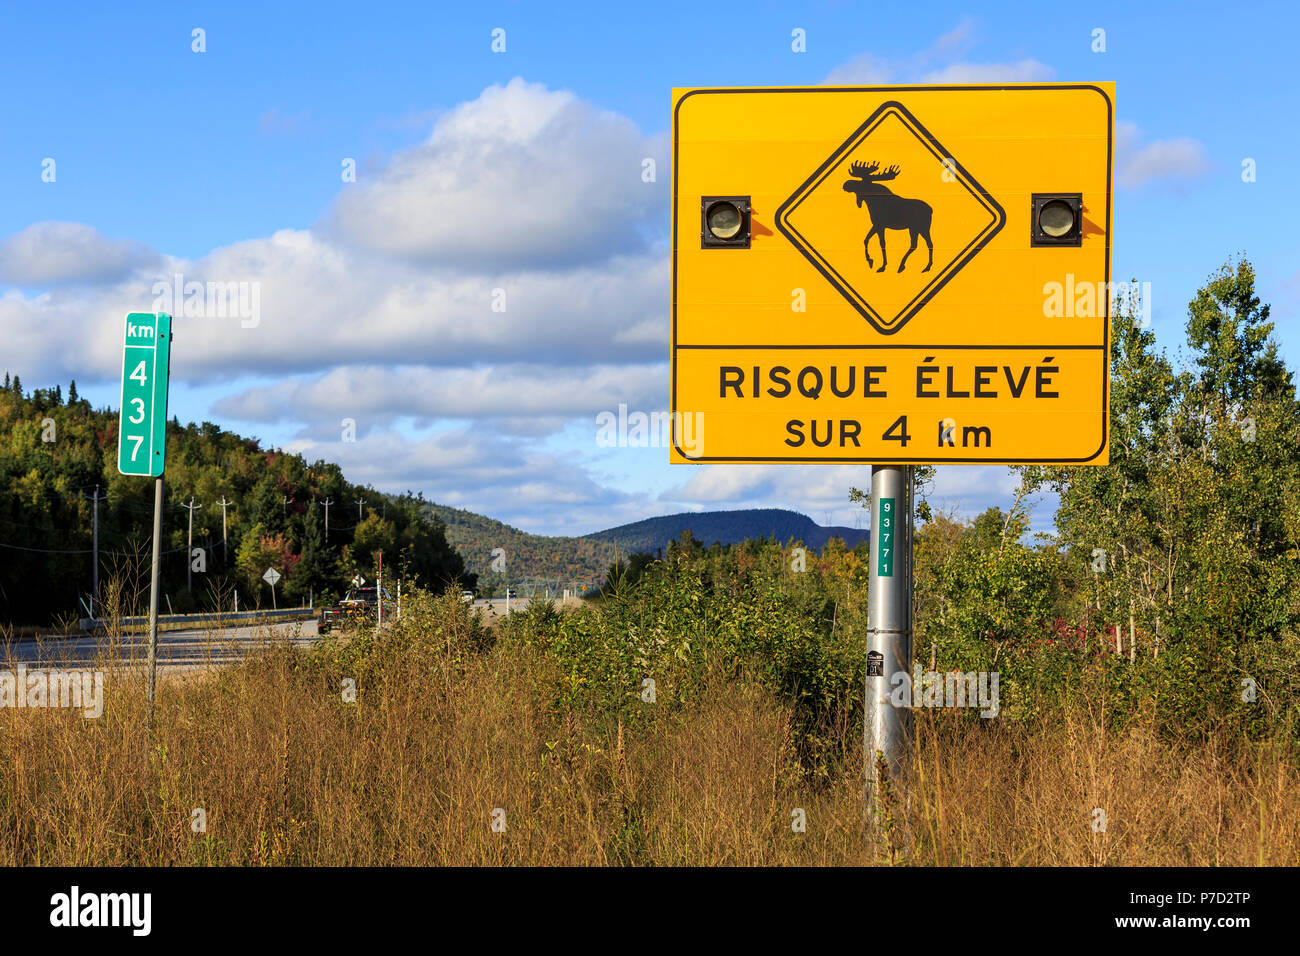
[(888, 211)]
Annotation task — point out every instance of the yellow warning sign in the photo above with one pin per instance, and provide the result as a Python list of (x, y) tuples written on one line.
[(890, 275)]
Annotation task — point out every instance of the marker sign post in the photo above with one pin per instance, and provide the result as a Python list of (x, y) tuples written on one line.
[(142, 436), (894, 276), (271, 577)]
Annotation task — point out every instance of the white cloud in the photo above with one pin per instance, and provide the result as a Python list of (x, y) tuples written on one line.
[(382, 312), (521, 176), (725, 484), (939, 63), (509, 393), (1022, 71), (1169, 160), (321, 307), (865, 69), (531, 192), (51, 253), (481, 471), (952, 44)]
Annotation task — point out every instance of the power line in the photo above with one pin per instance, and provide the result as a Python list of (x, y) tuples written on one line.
[(116, 554), (32, 527)]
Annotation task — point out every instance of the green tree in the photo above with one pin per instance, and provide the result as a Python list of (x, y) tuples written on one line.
[(1187, 538), (314, 568), (992, 587), (45, 518), (1229, 332), (373, 535)]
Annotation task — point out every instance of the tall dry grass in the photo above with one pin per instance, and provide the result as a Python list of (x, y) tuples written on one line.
[(287, 772)]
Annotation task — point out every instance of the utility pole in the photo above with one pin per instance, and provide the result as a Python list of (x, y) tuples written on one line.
[(225, 557), (360, 504), (285, 507), (189, 544), (94, 535), (889, 628), (327, 520)]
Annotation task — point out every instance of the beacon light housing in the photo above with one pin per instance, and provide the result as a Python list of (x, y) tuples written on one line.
[(724, 222), (1056, 219)]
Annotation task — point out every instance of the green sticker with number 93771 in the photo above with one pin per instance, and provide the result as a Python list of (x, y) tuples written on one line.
[(885, 539)]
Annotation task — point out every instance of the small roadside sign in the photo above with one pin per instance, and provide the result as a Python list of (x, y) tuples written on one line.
[(142, 425), (270, 577)]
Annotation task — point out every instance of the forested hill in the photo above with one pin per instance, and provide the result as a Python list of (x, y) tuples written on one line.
[(575, 562), (55, 453), (524, 560), (727, 527)]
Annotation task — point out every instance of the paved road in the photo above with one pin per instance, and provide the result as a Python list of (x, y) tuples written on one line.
[(498, 605), (191, 649), (177, 650)]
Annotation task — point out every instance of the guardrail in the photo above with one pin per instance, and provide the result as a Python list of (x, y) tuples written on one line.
[(131, 623)]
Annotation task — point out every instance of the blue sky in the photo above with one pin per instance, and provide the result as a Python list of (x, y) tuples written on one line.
[(226, 164)]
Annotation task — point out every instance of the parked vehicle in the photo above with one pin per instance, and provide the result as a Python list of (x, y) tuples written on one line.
[(358, 606)]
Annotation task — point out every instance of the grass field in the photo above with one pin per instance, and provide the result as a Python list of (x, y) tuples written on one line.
[(458, 750)]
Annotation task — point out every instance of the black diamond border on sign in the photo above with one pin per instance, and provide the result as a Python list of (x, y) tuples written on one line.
[(841, 285)]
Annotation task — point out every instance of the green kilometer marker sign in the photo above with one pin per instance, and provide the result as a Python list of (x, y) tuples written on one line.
[(146, 359), (885, 541)]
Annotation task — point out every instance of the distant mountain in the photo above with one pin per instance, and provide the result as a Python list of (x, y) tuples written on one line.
[(563, 562), (726, 527), (530, 559)]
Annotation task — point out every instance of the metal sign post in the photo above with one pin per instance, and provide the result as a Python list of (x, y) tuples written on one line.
[(142, 440), (271, 577), (152, 663), (889, 622)]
